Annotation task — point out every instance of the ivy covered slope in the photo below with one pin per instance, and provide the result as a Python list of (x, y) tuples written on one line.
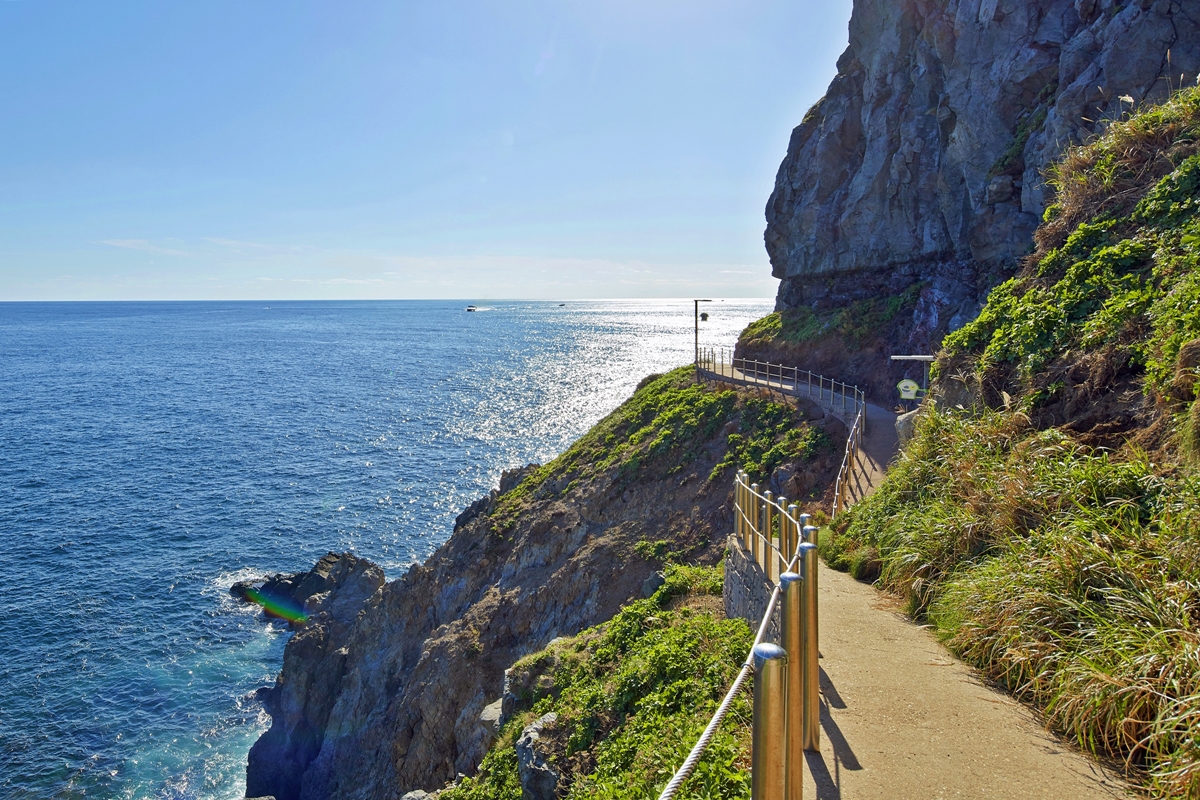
[(631, 697), (1046, 515)]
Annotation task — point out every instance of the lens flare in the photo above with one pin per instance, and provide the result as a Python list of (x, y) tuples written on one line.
[(277, 607)]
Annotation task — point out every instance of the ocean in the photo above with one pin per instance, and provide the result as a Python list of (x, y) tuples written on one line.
[(152, 454)]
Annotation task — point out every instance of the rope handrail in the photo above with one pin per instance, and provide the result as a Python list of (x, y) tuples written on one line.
[(766, 552), (689, 764), (748, 528)]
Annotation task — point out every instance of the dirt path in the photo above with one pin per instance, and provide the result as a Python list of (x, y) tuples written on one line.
[(902, 718)]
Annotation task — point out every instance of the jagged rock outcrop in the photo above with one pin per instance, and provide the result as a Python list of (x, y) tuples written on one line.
[(389, 696), (922, 165), (393, 702), (335, 594)]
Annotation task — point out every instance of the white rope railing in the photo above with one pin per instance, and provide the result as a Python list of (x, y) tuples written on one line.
[(760, 520), (779, 539)]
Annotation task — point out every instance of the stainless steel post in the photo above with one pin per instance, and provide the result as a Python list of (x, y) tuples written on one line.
[(755, 520), (768, 526), (767, 755), (737, 507), (793, 533), (809, 647), (792, 642), (782, 503), (804, 520)]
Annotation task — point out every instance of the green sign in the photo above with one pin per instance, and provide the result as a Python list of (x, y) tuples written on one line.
[(908, 389)]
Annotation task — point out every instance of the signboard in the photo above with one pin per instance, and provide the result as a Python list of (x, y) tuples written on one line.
[(908, 389)]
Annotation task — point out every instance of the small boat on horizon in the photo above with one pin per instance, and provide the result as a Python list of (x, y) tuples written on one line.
[(472, 308)]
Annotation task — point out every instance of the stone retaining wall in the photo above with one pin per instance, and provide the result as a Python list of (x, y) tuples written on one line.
[(747, 590)]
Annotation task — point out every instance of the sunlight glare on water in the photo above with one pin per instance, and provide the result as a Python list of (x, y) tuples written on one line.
[(151, 454)]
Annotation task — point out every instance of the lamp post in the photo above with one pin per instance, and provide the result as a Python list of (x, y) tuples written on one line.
[(696, 309)]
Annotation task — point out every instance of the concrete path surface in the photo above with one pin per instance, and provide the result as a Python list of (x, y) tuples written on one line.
[(903, 719), (879, 447)]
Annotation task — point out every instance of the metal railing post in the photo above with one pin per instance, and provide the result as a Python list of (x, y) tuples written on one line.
[(790, 638), (793, 533), (737, 508), (767, 756), (755, 520), (768, 525), (809, 651), (782, 503)]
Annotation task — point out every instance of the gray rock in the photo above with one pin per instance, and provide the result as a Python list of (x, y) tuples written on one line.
[(653, 584), (511, 478), (492, 716), (906, 425), (416, 794), (910, 170), (539, 779), (490, 721), (1000, 189)]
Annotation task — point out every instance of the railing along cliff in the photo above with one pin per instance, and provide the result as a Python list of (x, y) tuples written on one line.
[(780, 541), (847, 403), (786, 704)]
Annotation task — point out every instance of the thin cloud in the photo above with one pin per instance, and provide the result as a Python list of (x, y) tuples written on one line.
[(235, 243), (143, 246)]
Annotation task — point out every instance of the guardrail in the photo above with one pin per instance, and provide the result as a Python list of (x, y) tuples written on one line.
[(847, 402), (786, 703)]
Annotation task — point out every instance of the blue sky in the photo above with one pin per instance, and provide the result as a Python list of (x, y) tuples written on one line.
[(263, 149)]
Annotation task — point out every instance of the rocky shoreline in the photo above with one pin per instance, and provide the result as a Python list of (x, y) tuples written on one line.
[(394, 687)]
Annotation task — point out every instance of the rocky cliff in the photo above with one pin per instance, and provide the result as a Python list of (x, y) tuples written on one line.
[(383, 688), (919, 177)]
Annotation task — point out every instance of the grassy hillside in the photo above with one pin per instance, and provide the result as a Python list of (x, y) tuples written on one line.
[(1046, 517), (632, 696), (660, 430)]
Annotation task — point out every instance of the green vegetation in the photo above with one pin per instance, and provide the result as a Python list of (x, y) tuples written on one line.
[(1067, 573), (1070, 577), (856, 324), (663, 428), (770, 434), (632, 696)]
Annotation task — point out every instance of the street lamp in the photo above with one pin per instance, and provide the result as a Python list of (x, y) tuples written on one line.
[(696, 309)]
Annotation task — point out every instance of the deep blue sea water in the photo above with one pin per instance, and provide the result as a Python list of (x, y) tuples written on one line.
[(153, 453)]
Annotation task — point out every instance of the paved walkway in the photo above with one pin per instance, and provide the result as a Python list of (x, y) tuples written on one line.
[(902, 718), (879, 443)]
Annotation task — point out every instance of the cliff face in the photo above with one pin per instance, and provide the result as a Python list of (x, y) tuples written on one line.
[(383, 693), (923, 164)]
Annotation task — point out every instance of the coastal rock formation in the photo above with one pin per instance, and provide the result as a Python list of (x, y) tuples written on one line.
[(392, 702), (335, 594), (921, 169), (398, 693)]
